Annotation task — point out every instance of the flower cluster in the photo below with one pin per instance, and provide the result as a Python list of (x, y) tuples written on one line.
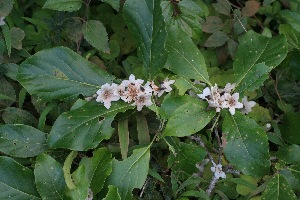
[(132, 91), (217, 170), (222, 98)]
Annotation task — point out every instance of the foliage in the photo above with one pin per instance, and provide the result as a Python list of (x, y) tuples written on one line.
[(152, 99)]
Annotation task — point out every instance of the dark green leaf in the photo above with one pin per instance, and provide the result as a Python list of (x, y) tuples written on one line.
[(189, 119), (246, 145), (65, 5), (13, 115), (292, 18), (97, 168), (290, 154), (277, 189), (212, 24), (142, 129), (222, 6), (86, 127), (293, 37), (114, 3), (255, 57), (130, 173), (184, 57), (95, 33), (49, 178), (145, 21), (7, 37), (217, 39), (60, 73), (8, 90), (290, 127), (17, 35), (16, 181), (184, 158), (123, 137), (21, 140)]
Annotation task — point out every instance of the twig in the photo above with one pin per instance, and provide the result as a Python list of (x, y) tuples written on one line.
[(143, 189), (212, 185)]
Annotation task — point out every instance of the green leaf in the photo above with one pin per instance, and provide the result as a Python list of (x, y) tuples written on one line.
[(130, 173), (255, 58), (97, 168), (188, 119), (292, 18), (186, 15), (65, 5), (246, 145), (293, 37), (217, 39), (21, 140), (17, 35), (142, 128), (145, 21), (112, 194), (295, 170), (49, 178), (13, 115), (289, 128), (123, 137), (5, 7), (212, 24), (8, 90), (184, 158), (86, 127), (95, 33), (184, 57), (16, 181), (246, 185), (80, 192), (222, 6), (277, 189), (67, 170), (290, 154), (114, 3), (4, 97), (7, 37), (192, 193), (60, 73)]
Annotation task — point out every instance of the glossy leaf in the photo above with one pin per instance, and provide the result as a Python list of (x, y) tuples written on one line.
[(65, 5), (86, 127), (49, 178), (146, 23), (16, 181), (112, 194), (278, 188), (184, 158), (184, 57), (130, 173), (246, 145), (189, 119), (95, 33), (256, 56), (21, 140), (97, 168), (60, 73)]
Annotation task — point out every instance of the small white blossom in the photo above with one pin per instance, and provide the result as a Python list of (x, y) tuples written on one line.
[(248, 105), (217, 170), (142, 100), (229, 87), (232, 102), (205, 93), (2, 22), (90, 195), (268, 125), (107, 94)]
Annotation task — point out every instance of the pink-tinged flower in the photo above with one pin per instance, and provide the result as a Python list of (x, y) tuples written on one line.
[(132, 80), (142, 100), (217, 170), (232, 102), (107, 94), (2, 22), (121, 91), (248, 105)]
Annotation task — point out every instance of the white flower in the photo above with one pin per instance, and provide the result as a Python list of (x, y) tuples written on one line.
[(133, 81), (142, 100), (166, 85), (232, 102), (205, 93), (217, 169), (107, 94), (2, 22), (121, 91), (248, 105), (229, 87)]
